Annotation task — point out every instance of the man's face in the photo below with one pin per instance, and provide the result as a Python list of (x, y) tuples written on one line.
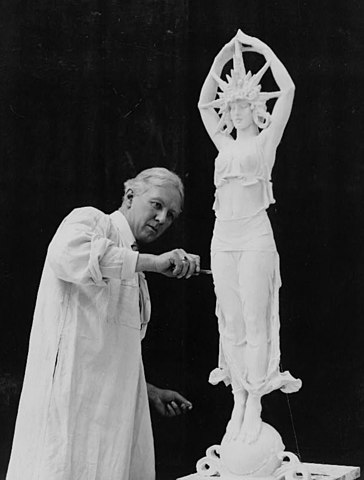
[(150, 213)]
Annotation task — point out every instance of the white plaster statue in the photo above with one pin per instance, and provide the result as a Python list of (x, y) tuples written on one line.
[(244, 259)]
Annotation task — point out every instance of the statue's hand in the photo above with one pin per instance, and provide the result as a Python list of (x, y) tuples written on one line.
[(254, 43)]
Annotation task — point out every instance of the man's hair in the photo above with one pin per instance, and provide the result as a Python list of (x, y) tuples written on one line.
[(156, 176)]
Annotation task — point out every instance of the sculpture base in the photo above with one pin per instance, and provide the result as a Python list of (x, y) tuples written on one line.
[(317, 471), (197, 476)]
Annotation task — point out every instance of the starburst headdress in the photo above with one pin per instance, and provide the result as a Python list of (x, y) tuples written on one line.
[(240, 85)]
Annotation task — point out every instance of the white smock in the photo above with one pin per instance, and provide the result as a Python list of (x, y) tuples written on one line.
[(83, 412), (245, 267)]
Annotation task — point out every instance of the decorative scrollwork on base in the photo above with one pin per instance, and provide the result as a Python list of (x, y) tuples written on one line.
[(210, 466), (292, 469)]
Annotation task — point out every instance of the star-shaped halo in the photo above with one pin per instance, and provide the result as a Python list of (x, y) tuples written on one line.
[(239, 85)]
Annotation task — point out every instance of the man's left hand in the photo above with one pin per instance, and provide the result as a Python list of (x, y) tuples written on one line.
[(167, 403)]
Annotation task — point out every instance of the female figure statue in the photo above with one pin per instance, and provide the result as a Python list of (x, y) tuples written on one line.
[(244, 259)]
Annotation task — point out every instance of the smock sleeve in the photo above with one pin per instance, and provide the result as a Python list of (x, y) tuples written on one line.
[(82, 252)]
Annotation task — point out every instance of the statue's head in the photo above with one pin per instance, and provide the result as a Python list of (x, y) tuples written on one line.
[(240, 90), (243, 89)]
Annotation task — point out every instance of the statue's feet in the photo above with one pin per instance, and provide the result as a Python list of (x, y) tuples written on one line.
[(252, 422), (235, 423)]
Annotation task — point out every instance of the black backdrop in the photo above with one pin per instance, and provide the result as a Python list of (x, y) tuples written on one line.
[(91, 92)]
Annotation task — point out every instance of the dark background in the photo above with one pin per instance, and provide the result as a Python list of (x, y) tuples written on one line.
[(93, 91)]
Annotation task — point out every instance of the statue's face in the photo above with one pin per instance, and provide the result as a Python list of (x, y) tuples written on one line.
[(241, 114)]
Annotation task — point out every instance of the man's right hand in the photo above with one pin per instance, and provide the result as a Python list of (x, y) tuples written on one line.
[(177, 263)]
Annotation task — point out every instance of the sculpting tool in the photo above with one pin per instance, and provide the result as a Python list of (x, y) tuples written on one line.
[(203, 271)]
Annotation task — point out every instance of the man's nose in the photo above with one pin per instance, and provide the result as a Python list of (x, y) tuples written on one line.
[(161, 216)]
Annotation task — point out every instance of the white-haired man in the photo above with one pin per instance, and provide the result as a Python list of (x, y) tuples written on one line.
[(84, 412)]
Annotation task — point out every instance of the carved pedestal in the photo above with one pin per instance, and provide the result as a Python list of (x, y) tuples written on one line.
[(316, 471)]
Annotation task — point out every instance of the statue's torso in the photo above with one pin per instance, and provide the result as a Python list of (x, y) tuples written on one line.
[(242, 180)]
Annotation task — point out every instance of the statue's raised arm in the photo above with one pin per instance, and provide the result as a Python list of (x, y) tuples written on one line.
[(283, 106), (210, 118)]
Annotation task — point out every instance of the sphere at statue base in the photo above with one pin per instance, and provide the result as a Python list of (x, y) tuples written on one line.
[(257, 459)]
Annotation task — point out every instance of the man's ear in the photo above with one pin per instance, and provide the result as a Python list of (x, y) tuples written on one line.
[(129, 195)]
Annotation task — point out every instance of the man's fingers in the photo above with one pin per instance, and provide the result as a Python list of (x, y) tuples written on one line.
[(194, 265), (170, 410), (183, 264), (175, 404), (191, 265), (185, 267), (198, 266), (177, 267), (178, 257), (183, 402), (176, 409)]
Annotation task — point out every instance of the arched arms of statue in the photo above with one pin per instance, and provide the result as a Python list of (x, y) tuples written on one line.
[(242, 85), (209, 116), (283, 105)]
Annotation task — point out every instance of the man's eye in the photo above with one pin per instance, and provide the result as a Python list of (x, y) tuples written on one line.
[(157, 205)]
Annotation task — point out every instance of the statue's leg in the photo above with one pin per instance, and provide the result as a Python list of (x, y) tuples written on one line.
[(255, 277), (252, 422), (235, 423), (232, 331)]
